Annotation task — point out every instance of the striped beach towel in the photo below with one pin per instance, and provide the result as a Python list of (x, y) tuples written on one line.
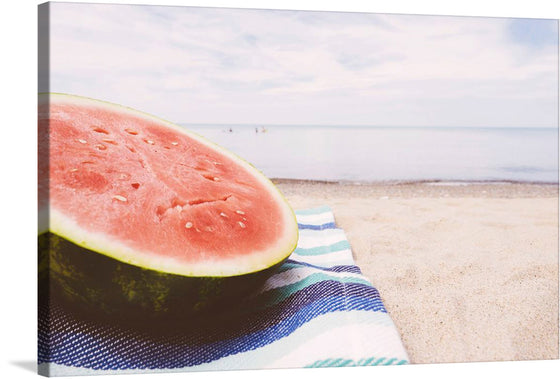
[(318, 310)]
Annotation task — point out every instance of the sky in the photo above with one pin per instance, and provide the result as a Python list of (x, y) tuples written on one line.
[(238, 66)]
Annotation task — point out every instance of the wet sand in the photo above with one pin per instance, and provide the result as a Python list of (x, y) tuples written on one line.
[(468, 272)]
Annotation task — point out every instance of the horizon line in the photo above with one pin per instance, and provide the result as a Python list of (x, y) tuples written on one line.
[(365, 125)]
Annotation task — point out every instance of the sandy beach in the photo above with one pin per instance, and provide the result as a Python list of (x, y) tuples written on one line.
[(468, 272)]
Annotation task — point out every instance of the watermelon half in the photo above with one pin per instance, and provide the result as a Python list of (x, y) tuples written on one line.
[(136, 213)]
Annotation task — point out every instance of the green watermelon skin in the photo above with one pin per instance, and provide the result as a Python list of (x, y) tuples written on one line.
[(95, 286)]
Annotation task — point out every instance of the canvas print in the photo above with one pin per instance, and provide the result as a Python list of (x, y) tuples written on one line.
[(225, 189)]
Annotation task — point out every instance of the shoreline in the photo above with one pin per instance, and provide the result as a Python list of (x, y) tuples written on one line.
[(419, 189)]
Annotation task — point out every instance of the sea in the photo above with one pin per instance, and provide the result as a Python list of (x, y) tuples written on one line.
[(393, 154)]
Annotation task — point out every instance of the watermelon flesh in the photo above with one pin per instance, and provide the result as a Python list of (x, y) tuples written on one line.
[(148, 193)]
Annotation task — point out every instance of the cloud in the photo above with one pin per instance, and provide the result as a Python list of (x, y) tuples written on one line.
[(248, 66)]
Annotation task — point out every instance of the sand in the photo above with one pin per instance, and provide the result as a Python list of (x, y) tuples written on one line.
[(468, 273)]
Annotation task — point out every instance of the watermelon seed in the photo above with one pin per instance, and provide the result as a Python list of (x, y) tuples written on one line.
[(132, 150), (130, 131), (241, 224), (216, 179), (240, 212), (223, 214), (149, 141), (189, 225), (174, 143), (73, 169), (135, 185), (108, 140), (119, 198), (82, 140), (100, 130), (101, 147), (206, 176)]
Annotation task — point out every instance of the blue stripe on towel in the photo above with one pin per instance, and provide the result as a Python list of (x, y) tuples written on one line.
[(290, 263), (281, 293), (329, 225)]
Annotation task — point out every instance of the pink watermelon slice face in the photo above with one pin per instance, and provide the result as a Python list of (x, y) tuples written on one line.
[(149, 193)]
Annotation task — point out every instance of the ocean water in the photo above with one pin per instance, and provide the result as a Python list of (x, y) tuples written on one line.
[(370, 154)]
